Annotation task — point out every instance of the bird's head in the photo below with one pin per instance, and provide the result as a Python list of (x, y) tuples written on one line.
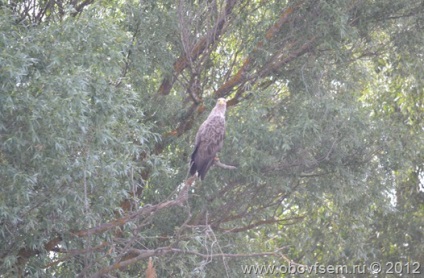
[(221, 106), (222, 102)]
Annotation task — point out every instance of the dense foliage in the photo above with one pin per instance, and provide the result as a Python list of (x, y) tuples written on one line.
[(100, 102)]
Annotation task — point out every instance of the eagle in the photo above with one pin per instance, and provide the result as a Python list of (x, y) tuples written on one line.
[(209, 140)]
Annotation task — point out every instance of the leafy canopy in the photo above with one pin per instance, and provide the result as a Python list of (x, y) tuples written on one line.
[(100, 103)]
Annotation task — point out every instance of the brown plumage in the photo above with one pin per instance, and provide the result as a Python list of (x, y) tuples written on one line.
[(209, 140)]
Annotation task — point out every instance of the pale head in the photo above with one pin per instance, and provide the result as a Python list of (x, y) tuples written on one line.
[(219, 109), (221, 105), (221, 102)]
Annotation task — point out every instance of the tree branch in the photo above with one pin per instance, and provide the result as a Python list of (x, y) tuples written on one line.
[(225, 166), (204, 43), (260, 223), (162, 251)]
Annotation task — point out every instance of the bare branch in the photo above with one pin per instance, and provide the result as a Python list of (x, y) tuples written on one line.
[(225, 166), (202, 44), (142, 254)]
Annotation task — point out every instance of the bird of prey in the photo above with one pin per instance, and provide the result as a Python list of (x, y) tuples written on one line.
[(209, 140)]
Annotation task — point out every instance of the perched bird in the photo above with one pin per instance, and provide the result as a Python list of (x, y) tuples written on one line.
[(209, 140)]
